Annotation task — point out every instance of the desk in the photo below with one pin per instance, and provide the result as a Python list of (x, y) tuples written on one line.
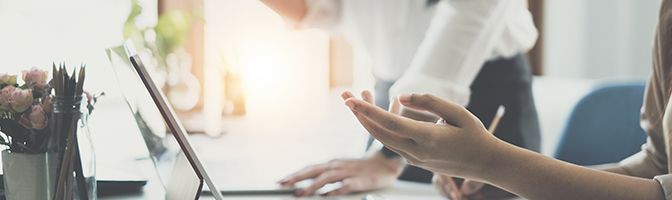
[(400, 191), (321, 131), (260, 147)]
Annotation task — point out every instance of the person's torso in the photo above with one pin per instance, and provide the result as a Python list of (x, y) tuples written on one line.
[(390, 31), (657, 108)]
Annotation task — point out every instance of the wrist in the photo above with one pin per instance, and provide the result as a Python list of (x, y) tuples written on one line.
[(392, 163), (494, 159), (387, 153)]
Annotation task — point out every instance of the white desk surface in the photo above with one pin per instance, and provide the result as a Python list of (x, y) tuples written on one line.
[(260, 147), (401, 190)]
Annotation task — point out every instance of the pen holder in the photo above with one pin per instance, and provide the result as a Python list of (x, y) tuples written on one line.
[(76, 166)]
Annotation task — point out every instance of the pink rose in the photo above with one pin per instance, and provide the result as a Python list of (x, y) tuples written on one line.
[(35, 77), (46, 104), (5, 95), (20, 100), (36, 118), (7, 79)]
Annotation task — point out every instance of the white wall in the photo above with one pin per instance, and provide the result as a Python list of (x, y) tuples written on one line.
[(599, 38), (37, 33)]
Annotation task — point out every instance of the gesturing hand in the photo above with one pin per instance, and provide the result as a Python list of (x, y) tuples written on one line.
[(459, 146)]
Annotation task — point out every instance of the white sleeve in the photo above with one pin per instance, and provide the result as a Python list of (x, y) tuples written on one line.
[(665, 182), (322, 14), (461, 37)]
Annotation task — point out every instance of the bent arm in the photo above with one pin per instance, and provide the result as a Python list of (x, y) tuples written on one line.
[(462, 146), (461, 37), (535, 176)]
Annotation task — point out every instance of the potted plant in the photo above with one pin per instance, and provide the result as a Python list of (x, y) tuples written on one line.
[(165, 42)]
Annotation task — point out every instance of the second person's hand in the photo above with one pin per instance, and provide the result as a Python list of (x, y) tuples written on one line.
[(356, 175), (448, 188)]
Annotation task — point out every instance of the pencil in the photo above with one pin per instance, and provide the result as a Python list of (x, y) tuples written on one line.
[(495, 121)]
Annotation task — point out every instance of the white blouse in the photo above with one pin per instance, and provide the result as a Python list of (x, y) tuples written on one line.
[(428, 49)]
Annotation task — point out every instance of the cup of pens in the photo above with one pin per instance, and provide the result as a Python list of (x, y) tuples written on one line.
[(71, 143)]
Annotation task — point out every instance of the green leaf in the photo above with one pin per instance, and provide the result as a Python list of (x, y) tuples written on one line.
[(172, 29)]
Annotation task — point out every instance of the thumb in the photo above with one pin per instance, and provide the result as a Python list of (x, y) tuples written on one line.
[(470, 187)]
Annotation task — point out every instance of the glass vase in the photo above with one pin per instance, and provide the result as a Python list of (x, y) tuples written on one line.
[(86, 153), (73, 114)]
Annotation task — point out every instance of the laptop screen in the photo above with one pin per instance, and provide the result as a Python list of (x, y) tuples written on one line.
[(177, 166)]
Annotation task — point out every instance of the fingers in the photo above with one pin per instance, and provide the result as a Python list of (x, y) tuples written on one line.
[(454, 190), (418, 115), (383, 135), (346, 95), (439, 183), (367, 96), (320, 181), (447, 187), (452, 113), (391, 122), (361, 183), (470, 187), (349, 185), (306, 173), (340, 191)]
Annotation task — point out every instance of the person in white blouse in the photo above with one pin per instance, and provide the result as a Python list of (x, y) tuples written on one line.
[(462, 146), (466, 51)]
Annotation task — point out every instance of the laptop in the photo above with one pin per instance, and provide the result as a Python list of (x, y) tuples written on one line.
[(153, 128), (179, 168)]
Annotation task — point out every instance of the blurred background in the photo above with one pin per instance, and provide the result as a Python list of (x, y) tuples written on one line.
[(231, 59)]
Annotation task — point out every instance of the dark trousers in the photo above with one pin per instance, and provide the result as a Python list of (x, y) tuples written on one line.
[(505, 82)]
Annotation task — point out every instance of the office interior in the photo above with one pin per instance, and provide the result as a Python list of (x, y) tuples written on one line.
[(268, 95)]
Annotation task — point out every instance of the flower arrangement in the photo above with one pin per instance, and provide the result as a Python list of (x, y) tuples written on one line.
[(24, 111), (41, 118)]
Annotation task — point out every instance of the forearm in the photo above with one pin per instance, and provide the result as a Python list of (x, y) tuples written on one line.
[(293, 10), (534, 176)]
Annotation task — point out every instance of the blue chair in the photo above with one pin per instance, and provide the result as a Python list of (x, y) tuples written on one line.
[(604, 126)]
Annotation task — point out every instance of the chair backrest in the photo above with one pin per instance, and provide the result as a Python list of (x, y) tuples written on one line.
[(604, 126)]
